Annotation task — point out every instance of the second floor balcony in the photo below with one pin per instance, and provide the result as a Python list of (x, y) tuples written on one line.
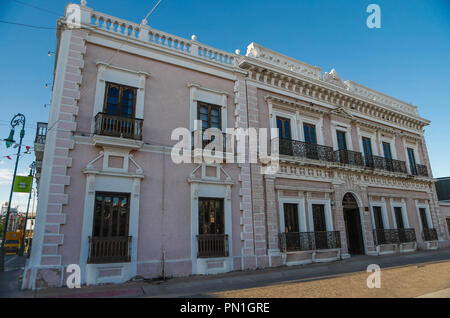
[(118, 126), (300, 149)]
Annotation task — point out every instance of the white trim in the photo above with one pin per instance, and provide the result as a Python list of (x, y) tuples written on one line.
[(335, 126), (425, 206), (300, 210), (401, 205), (382, 205), (317, 122), (391, 142), (199, 93), (415, 148), (285, 114), (328, 215), (207, 190), (104, 183), (373, 141), (121, 76)]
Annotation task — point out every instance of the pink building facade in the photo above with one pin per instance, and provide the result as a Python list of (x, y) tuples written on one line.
[(354, 175)]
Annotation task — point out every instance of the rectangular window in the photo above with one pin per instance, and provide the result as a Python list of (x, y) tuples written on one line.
[(378, 217), (399, 217), (111, 215), (423, 218), (412, 161), (291, 224), (367, 147), (310, 133), (342, 143), (318, 211), (210, 216), (120, 100), (284, 128), (210, 115), (387, 150)]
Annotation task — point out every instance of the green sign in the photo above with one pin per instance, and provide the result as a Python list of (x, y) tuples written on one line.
[(23, 184)]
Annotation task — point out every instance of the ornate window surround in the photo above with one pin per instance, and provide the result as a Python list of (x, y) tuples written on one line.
[(382, 205)]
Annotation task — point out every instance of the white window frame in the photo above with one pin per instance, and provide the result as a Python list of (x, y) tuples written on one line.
[(206, 95), (328, 215), (382, 205), (415, 148), (121, 76), (391, 142), (300, 210), (286, 114), (373, 141), (335, 126), (401, 205), (425, 206), (317, 122)]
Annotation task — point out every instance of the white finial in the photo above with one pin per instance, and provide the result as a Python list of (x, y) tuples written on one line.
[(238, 52), (144, 22), (83, 3), (194, 37)]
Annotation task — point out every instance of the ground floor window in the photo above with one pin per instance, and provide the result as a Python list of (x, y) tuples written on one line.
[(399, 217), (378, 218), (212, 240), (291, 224), (110, 241), (423, 218), (318, 211)]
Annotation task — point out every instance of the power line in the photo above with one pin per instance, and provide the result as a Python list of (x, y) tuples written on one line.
[(36, 7), (28, 25)]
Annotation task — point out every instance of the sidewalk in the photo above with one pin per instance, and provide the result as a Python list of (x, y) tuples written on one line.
[(9, 279), (204, 286)]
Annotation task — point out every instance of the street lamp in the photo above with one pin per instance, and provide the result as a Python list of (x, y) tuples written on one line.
[(17, 120), (22, 245)]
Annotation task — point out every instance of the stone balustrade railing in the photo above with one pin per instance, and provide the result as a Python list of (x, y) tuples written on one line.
[(162, 39)]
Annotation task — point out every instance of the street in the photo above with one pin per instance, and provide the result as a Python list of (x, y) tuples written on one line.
[(420, 274)]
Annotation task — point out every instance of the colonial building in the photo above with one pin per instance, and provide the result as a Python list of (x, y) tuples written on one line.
[(354, 175)]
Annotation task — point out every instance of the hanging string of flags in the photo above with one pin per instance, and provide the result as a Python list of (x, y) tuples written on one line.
[(9, 157), (13, 143)]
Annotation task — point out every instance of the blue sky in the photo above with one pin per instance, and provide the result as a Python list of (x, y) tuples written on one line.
[(408, 58)]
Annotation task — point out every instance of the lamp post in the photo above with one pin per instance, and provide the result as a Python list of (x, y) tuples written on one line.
[(22, 245), (16, 121)]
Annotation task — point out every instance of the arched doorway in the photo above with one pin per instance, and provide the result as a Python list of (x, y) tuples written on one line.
[(353, 226)]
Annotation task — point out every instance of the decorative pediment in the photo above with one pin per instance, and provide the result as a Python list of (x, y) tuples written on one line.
[(342, 112), (333, 78), (205, 173)]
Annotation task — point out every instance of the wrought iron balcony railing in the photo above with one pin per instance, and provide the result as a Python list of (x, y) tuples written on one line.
[(118, 126), (212, 245), (104, 250), (41, 133), (377, 162), (302, 149), (394, 236), (429, 235), (419, 170), (309, 241), (349, 157)]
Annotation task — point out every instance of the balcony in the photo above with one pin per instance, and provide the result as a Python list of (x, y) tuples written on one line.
[(105, 250), (394, 236), (429, 235), (117, 126), (41, 133), (302, 149), (309, 241), (392, 165), (212, 245), (349, 157), (419, 170)]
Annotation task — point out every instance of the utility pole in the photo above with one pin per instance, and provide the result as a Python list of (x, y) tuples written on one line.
[(16, 121), (22, 245)]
